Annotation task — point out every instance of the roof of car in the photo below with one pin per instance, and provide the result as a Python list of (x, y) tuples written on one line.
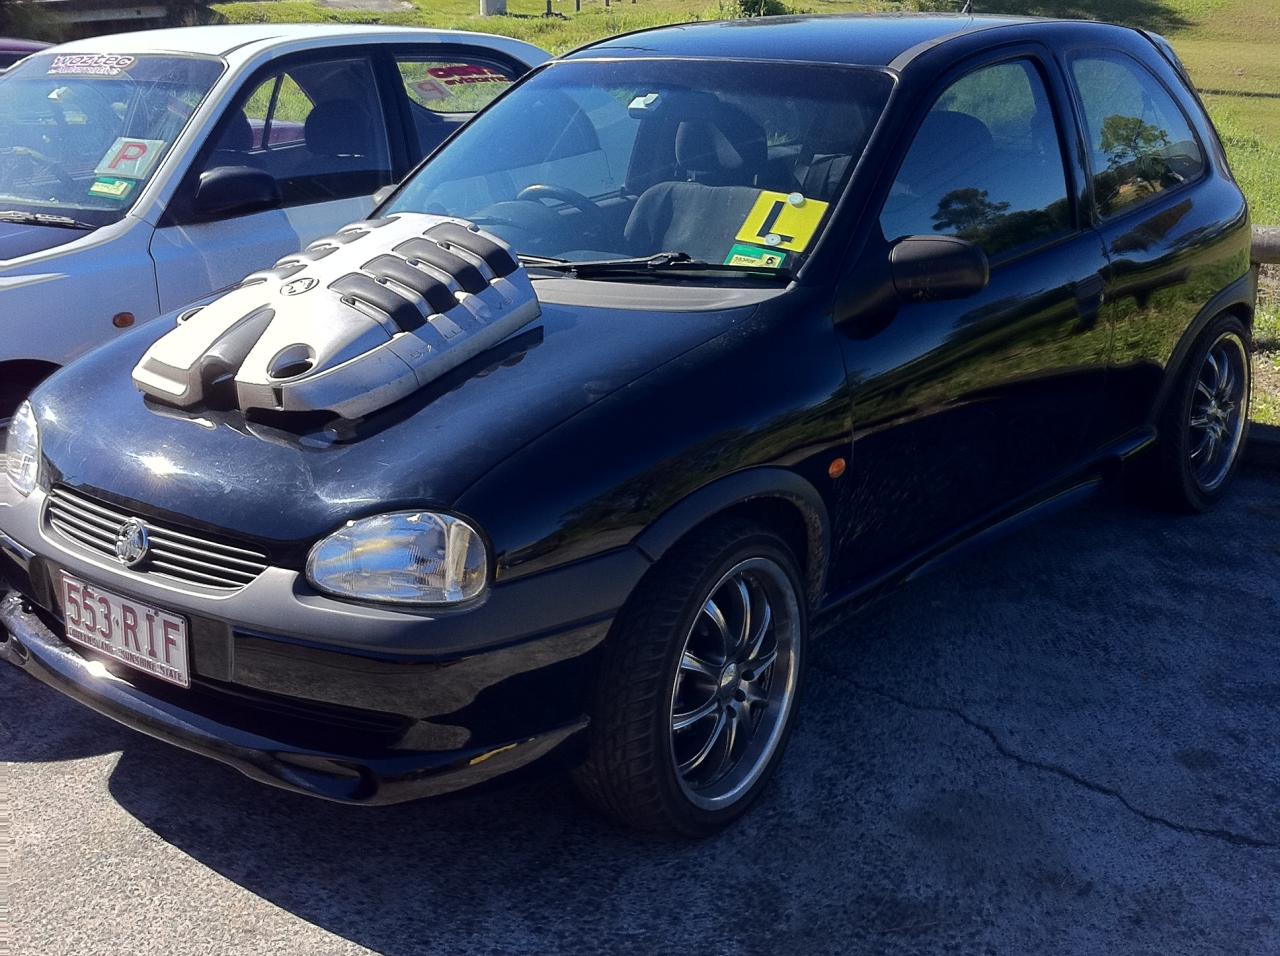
[(226, 40), (864, 39), (13, 43)]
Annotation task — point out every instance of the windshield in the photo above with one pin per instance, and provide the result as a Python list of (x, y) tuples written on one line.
[(731, 163), (80, 134)]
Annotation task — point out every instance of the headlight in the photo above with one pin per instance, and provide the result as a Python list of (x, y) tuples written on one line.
[(22, 450), (410, 557)]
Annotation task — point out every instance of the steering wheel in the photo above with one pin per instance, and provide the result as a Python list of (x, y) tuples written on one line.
[(40, 159), (569, 196)]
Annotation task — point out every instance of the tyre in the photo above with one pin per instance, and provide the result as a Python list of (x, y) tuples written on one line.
[(1203, 427), (697, 689)]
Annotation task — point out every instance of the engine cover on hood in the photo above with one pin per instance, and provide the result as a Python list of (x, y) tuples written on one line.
[(357, 321)]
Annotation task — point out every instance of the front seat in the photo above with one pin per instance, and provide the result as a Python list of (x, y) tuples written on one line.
[(721, 154), (338, 138), (235, 144)]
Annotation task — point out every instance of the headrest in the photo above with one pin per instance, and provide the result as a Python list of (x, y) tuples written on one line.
[(947, 142), (953, 133), (238, 136), (338, 128), (831, 133), (720, 144)]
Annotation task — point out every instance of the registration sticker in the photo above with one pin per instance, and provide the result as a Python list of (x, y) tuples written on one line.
[(741, 255), (90, 64), (131, 158), (110, 187), (782, 221)]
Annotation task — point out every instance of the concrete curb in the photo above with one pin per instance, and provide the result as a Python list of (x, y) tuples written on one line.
[(1263, 448)]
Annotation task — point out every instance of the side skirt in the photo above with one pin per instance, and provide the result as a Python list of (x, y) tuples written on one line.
[(1059, 494)]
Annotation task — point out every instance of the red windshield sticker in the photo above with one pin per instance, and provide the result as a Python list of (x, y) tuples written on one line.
[(461, 74), (90, 64), (130, 158)]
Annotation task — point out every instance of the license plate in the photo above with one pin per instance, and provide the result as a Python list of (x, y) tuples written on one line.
[(143, 637)]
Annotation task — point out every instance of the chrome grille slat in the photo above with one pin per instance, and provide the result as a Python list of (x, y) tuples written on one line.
[(83, 537), (176, 571), (163, 538), (205, 567), (106, 539), (174, 554), (107, 524)]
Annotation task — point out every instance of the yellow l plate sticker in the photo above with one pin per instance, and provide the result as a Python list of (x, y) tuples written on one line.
[(782, 221)]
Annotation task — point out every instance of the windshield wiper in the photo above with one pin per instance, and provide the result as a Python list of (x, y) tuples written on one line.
[(658, 260), (43, 219), (645, 265)]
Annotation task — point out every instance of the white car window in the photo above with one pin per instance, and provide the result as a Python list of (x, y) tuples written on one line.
[(317, 128)]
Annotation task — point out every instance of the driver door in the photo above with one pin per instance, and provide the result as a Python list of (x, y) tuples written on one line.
[(962, 407), (318, 127)]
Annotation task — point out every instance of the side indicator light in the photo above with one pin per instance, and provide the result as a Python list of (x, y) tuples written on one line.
[(122, 320), (837, 467)]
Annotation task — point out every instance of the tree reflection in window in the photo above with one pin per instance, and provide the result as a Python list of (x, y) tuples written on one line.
[(986, 165), (1141, 142)]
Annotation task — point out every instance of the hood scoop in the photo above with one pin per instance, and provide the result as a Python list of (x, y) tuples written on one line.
[(355, 322)]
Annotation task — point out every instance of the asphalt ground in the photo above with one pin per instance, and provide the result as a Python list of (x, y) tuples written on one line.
[(1063, 743)]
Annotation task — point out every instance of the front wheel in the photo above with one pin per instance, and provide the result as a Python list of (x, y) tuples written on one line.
[(698, 687), (1203, 427)]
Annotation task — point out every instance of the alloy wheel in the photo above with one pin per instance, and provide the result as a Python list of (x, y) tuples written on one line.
[(736, 683), (1219, 408)]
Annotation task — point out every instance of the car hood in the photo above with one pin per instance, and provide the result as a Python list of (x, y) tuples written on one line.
[(19, 239), (283, 489)]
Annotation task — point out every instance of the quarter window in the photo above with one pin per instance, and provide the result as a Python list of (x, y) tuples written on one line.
[(986, 165), (444, 93), (1141, 143)]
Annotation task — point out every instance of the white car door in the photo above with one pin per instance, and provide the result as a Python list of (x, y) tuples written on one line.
[(316, 133)]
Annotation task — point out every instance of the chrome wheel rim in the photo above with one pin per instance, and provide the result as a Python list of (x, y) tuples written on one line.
[(735, 683), (1219, 409)]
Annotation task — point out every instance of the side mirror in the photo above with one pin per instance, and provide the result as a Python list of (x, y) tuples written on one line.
[(926, 268), (226, 191), (383, 194)]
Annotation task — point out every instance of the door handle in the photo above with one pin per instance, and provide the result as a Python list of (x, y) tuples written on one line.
[(1090, 294)]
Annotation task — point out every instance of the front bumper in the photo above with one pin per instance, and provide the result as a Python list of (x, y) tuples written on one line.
[(359, 705), (389, 777)]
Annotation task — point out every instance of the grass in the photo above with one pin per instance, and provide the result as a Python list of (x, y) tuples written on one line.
[(1266, 346)]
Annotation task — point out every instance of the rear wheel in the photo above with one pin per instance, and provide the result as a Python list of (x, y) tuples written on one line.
[(1204, 426), (697, 691)]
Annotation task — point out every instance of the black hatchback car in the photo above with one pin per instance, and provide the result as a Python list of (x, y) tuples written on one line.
[(817, 299)]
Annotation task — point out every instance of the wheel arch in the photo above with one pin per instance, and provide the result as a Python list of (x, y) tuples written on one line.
[(18, 377), (775, 497), (1239, 299)]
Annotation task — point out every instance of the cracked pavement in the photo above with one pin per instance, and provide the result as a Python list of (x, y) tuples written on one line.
[(1065, 742)]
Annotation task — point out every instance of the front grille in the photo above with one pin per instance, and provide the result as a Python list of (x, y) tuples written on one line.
[(172, 554)]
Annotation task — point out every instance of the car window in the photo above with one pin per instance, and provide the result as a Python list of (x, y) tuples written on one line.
[(316, 127), (82, 134), (456, 85), (986, 165), (277, 112), (445, 93), (1141, 143)]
